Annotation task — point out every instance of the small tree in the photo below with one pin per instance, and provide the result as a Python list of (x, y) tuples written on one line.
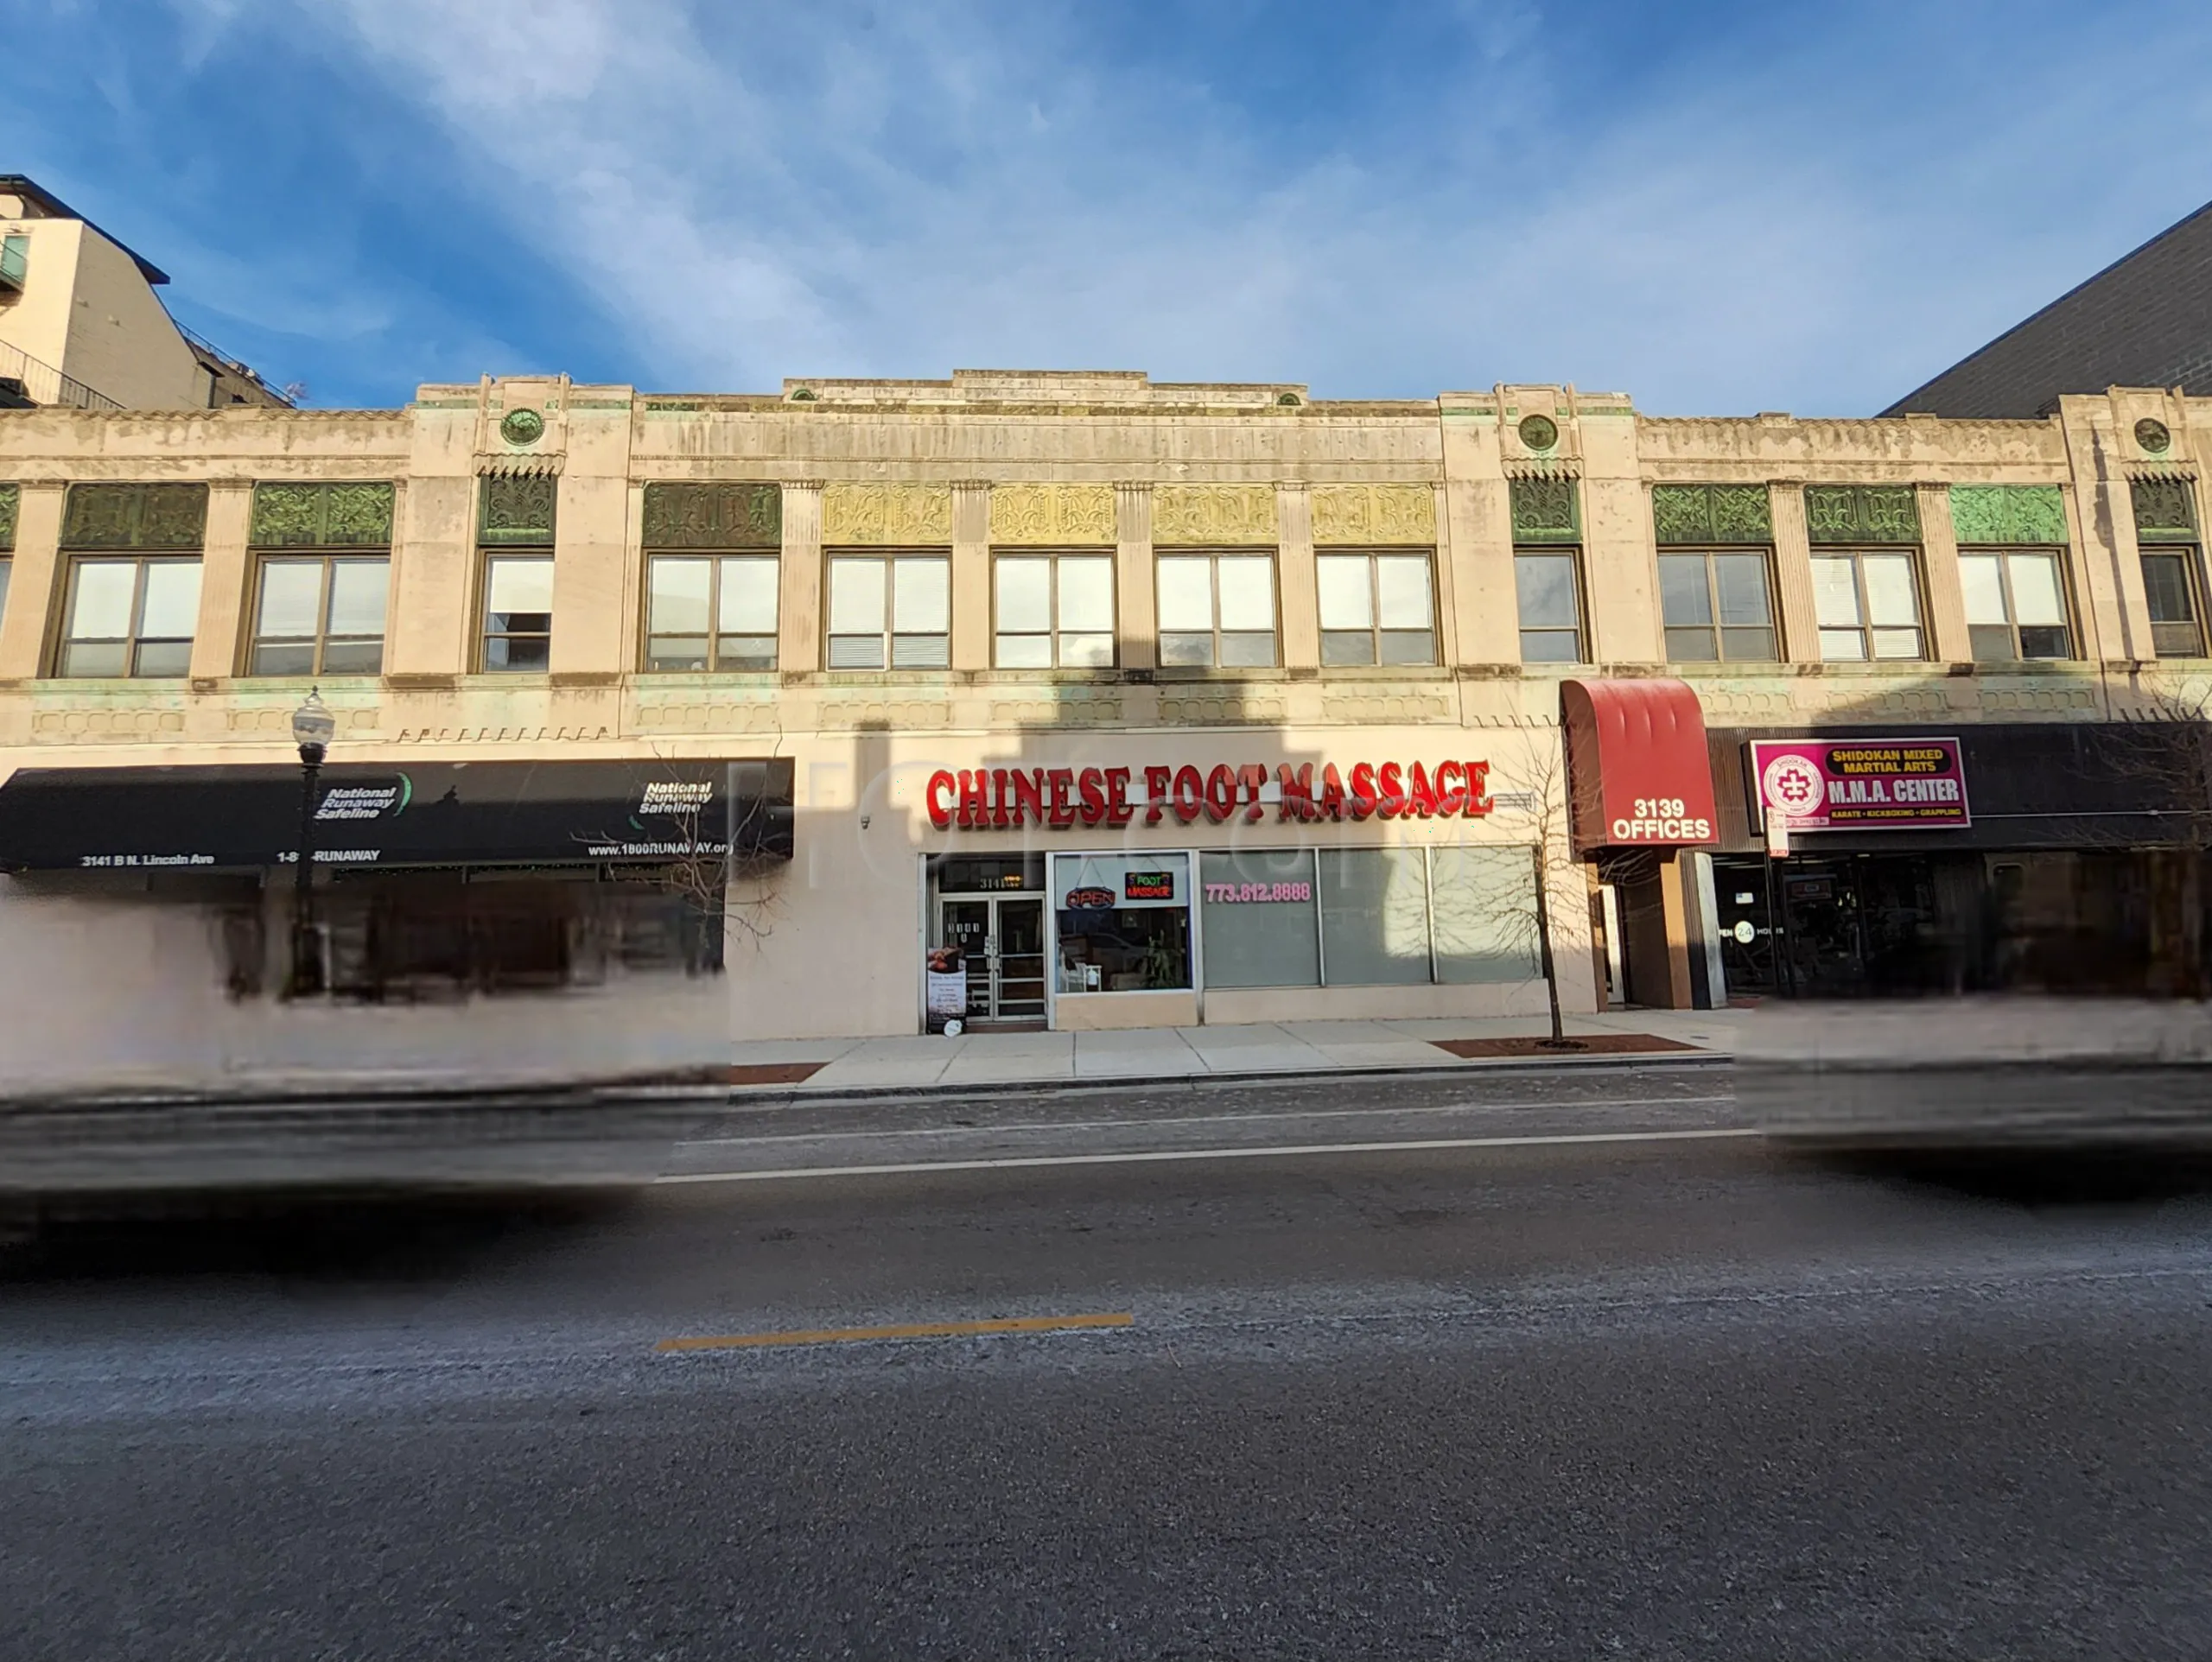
[(1522, 917), (723, 884)]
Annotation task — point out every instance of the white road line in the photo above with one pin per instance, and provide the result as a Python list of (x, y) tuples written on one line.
[(1204, 1119), (1148, 1156)]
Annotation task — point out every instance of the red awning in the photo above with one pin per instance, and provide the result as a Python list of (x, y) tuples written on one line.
[(1638, 770)]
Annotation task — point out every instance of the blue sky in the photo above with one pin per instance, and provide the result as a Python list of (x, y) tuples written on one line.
[(1714, 207)]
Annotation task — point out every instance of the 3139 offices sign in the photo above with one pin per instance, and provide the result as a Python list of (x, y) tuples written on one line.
[(1862, 784)]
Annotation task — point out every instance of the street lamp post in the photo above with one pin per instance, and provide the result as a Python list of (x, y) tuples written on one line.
[(311, 727)]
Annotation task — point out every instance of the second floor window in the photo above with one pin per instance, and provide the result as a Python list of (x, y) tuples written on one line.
[(1716, 606), (1052, 610), (318, 615), (1217, 610), (518, 613), (2169, 584), (891, 610), (2015, 607), (131, 618), (708, 613), (1376, 608), (1549, 592), (1867, 606)]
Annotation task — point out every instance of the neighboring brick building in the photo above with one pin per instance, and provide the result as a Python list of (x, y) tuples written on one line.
[(2144, 321)]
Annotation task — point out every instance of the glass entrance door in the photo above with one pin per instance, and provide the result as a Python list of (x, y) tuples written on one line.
[(1019, 991), (1001, 942)]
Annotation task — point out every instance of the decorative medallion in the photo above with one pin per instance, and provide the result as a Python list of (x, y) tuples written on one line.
[(1539, 432), (521, 427), (2153, 436)]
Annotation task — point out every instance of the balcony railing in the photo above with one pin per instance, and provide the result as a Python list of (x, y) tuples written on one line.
[(42, 384)]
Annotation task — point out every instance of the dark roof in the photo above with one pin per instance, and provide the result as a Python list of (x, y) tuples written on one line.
[(2145, 320), (14, 184)]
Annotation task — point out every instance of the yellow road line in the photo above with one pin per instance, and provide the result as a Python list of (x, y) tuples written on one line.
[(901, 1331)]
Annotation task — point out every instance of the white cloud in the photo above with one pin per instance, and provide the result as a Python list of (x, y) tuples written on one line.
[(823, 190)]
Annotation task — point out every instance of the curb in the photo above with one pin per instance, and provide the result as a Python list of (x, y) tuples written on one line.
[(759, 1095)]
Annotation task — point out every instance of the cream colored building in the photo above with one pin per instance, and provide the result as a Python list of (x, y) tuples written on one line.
[(81, 326), (908, 589)]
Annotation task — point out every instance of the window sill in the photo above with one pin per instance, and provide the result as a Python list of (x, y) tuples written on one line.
[(1188, 673)]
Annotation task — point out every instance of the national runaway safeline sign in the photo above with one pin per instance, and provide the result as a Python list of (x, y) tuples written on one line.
[(1862, 784)]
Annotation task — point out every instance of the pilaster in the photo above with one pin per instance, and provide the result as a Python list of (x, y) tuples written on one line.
[(1948, 637), (225, 581), (1298, 595), (799, 643), (1793, 572), (34, 582), (971, 575), (1132, 590)]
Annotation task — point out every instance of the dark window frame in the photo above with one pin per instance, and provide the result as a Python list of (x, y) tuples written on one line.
[(322, 640), (1215, 633), (1579, 633), (485, 634), (1714, 626), (134, 643), (890, 635), (2003, 554), (1375, 630), (2182, 637), (715, 560), (1055, 635), (1865, 628)]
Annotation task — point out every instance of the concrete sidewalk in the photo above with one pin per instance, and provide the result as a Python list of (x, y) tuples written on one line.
[(933, 1062)]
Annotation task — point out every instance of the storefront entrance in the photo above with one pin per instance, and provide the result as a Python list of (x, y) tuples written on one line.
[(1001, 940)]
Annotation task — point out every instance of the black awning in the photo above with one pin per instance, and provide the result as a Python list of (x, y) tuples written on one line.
[(421, 814)]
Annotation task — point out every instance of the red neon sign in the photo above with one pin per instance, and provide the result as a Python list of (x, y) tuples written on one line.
[(1003, 799)]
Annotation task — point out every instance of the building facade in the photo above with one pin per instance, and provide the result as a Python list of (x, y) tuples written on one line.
[(81, 325), (1083, 701)]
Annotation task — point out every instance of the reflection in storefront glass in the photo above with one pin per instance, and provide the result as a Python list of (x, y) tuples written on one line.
[(1124, 921)]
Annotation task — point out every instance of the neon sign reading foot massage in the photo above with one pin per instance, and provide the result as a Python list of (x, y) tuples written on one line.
[(1004, 798)]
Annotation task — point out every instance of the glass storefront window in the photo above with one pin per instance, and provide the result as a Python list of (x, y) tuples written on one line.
[(1483, 902), (1374, 916), (1124, 921), (1259, 918)]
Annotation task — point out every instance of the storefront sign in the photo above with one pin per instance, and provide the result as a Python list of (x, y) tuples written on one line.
[(1237, 894), (1107, 883), (1007, 798), (1884, 784), (1636, 763), (427, 814)]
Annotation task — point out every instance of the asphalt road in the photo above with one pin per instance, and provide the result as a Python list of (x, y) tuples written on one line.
[(1515, 1393)]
